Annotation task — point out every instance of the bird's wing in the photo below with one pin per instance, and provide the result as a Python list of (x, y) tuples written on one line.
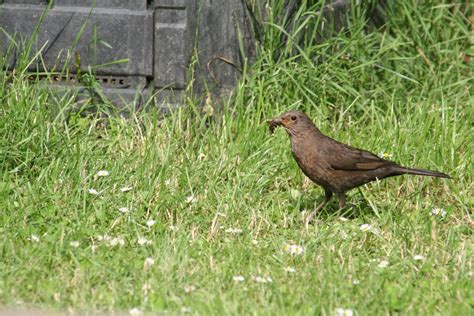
[(344, 157)]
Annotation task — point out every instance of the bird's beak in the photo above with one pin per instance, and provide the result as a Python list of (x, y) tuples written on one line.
[(274, 123)]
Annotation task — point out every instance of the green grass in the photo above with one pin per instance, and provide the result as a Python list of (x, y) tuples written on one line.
[(403, 90)]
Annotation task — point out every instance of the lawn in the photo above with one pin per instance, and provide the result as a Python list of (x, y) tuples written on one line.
[(200, 211)]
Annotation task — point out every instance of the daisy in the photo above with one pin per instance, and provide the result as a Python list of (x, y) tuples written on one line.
[(418, 258), (103, 173), (124, 210), (143, 241), (93, 191), (191, 199), (294, 249), (235, 231), (34, 238), (441, 212), (383, 264), (126, 189), (290, 270)]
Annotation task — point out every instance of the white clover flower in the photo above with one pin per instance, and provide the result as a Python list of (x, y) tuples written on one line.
[(262, 279), (93, 191), (135, 311), (366, 227), (234, 231), (383, 264), (117, 241), (150, 222), (143, 241), (103, 173), (74, 243), (438, 212), (343, 311), (191, 199), (294, 249), (189, 288), (418, 258), (126, 189), (238, 278), (34, 238), (290, 270)]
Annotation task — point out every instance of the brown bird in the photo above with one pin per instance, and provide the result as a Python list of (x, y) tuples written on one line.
[(335, 166)]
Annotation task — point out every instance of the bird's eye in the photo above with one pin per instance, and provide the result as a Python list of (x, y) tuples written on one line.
[(293, 118)]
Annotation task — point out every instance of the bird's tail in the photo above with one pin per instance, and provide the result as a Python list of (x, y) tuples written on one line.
[(421, 172)]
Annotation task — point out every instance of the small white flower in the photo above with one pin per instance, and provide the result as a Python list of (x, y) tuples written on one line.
[(135, 311), (355, 282), (103, 173), (294, 249), (124, 210), (186, 310), (366, 227), (167, 182), (235, 231), (117, 241), (238, 278), (385, 155), (191, 199), (344, 311), (104, 237), (34, 238), (74, 243), (262, 279), (383, 264), (418, 258), (290, 270), (126, 189), (189, 288), (93, 248), (93, 192), (150, 222), (149, 262), (143, 241), (441, 212)]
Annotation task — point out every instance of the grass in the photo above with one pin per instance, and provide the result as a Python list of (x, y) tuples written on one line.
[(202, 177)]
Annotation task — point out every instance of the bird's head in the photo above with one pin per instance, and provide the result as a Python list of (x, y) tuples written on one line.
[(294, 122)]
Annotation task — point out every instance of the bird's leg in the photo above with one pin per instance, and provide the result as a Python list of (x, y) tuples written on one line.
[(342, 199), (327, 197)]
